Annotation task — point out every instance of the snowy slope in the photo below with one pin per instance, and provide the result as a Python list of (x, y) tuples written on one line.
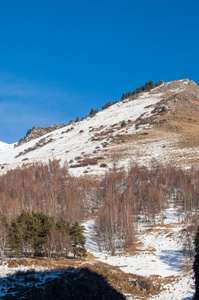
[(102, 136), (69, 142), (160, 254), (5, 147), (159, 250)]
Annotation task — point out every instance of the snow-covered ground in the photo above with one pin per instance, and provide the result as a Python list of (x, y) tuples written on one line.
[(6, 272), (13, 282), (5, 147), (181, 289), (159, 253)]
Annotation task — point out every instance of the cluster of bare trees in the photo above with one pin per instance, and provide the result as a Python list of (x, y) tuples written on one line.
[(144, 193), (118, 200), (45, 188), (126, 196)]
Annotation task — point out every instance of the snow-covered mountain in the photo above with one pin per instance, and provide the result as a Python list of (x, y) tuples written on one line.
[(5, 147), (161, 124), (157, 126)]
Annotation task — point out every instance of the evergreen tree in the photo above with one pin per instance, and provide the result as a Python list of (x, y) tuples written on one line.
[(27, 233), (42, 224), (18, 235), (37, 234), (138, 90), (93, 111), (78, 240), (123, 96), (15, 238), (196, 264), (63, 225), (147, 86), (123, 124), (151, 84), (163, 109), (23, 220)]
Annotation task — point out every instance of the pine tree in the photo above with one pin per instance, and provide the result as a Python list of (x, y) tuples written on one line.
[(151, 84), (28, 232), (63, 225), (147, 86), (123, 124), (42, 224), (196, 264), (123, 96), (18, 234), (23, 220), (15, 238), (78, 240), (93, 111)]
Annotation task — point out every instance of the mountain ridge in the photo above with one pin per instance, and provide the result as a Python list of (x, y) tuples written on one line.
[(141, 215), (161, 124)]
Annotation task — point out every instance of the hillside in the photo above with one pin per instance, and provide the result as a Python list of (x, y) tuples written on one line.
[(161, 124), (139, 221)]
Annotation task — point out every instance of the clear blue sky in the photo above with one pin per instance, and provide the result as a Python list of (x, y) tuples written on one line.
[(59, 59)]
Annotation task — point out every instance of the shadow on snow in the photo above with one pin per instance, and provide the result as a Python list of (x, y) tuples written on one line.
[(172, 258), (60, 284)]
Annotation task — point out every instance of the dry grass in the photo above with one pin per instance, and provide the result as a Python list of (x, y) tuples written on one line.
[(124, 283), (177, 129), (120, 281)]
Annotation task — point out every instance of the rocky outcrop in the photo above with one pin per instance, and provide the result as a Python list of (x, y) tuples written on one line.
[(35, 133), (174, 85)]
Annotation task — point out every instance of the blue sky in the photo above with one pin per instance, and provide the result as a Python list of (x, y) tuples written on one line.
[(59, 59)]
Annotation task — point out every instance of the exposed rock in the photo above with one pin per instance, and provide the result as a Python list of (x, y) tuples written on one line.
[(176, 84), (38, 132), (144, 285)]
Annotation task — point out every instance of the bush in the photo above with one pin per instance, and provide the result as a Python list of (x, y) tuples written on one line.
[(163, 109), (123, 124)]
